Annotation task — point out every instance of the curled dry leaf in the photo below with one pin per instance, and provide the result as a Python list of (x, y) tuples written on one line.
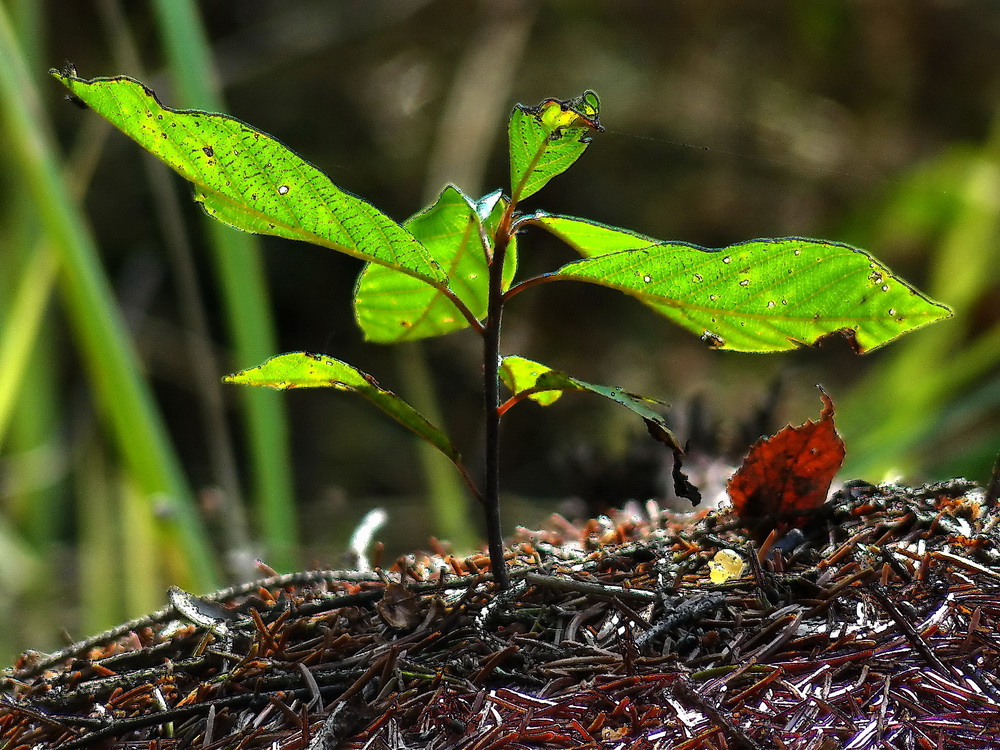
[(399, 607), (789, 472)]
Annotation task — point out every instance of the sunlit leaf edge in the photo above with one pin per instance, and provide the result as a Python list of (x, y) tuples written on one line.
[(227, 206), (685, 313), (535, 155), (285, 372)]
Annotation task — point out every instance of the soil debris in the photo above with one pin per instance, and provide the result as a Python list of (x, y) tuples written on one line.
[(874, 624)]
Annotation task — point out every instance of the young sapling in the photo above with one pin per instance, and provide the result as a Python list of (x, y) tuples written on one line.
[(453, 266)]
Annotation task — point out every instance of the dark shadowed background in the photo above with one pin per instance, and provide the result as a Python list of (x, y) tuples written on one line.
[(869, 123)]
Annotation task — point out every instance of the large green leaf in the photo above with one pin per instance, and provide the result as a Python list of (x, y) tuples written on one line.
[(306, 370), (766, 295), (391, 307), (547, 139), (249, 180)]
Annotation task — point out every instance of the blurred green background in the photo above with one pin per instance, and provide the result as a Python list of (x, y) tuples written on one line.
[(125, 466)]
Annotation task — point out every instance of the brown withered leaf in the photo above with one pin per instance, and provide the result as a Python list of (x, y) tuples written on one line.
[(789, 472)]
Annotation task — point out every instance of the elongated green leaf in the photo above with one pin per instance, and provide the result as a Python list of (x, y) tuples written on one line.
[(526, 378), (391, 307), (306, 370), (249, 180), (589, 238), (124, 397), (766, 295), (547, 139)]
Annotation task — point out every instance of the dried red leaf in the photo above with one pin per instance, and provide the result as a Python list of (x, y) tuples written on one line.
[(789, 472)]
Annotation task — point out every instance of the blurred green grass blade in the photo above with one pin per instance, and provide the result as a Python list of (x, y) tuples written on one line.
[(390, 306), (306, 370), (249, 319), (236, 548), (123, 396), (188, 53), (546, 140), (19, 581), (964, 272), (447, 498), (142, 574), (766, 295), (21, 326), (36, 480), (99, 544)]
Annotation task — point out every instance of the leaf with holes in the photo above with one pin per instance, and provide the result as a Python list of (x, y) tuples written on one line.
[(249, 180), (547, 139), (764, 295), (390, 306)]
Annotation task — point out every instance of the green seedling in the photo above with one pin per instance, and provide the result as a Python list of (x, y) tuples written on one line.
[(453, 265)]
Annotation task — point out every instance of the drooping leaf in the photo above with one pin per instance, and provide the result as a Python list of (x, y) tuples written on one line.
[(391, 307), (547, 139), (249, 180), (766, 295), (526, 378), (306, 370)]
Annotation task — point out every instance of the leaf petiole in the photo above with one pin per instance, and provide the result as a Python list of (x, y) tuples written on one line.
[(474, 322)]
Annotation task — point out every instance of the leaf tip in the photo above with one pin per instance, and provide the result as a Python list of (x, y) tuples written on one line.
[(66, 72)]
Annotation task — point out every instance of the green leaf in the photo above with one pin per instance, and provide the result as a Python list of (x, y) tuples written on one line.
[(547, 139), (391, 307), (249, 180), (589, 238), (766, 295), (529, 379), (305, 370), (520, 375), (526, 378)]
